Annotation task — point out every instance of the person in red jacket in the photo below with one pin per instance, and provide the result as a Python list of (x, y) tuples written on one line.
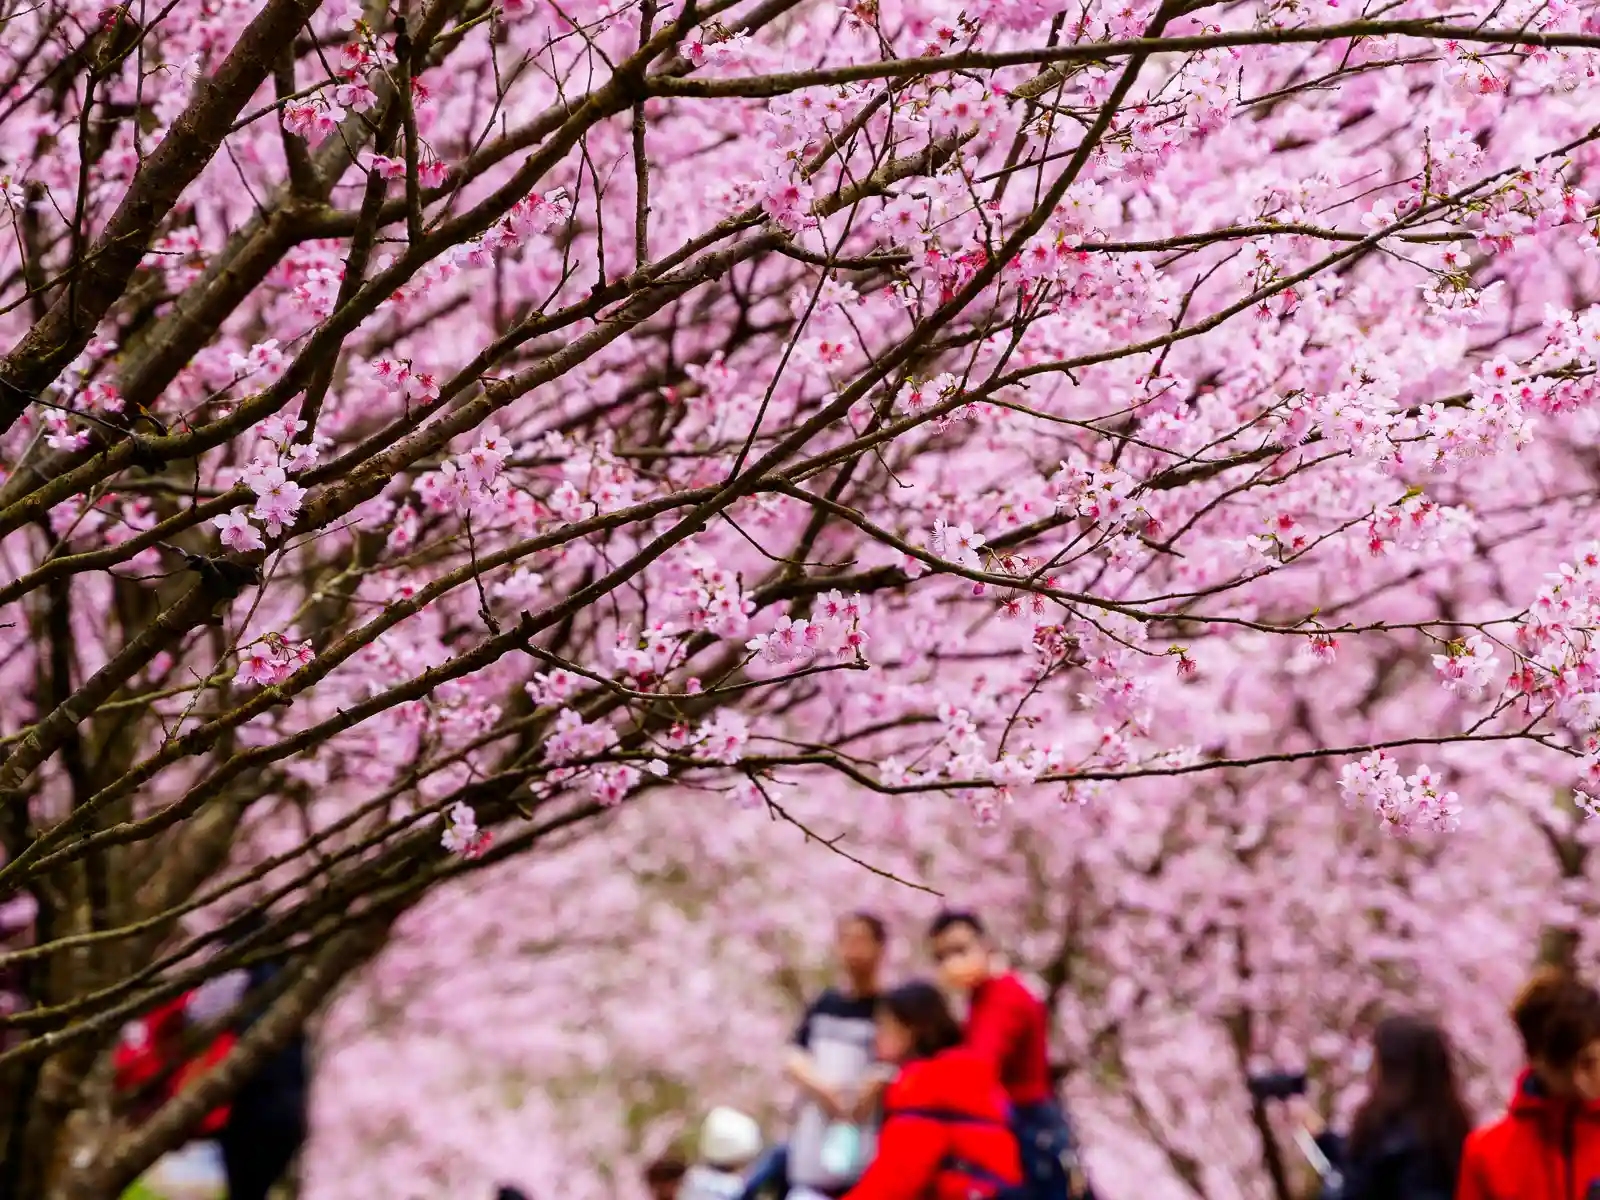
[(1009, 1027), (149, 1066), (1547, 1145), (945, 1133)]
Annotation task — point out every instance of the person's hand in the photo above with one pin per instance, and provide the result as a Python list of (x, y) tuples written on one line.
[(867, 1101), (834, 1106)]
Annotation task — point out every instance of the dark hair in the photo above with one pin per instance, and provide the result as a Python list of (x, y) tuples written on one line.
[(1557, 1016), (507, 1192), (951, 917), (669, 1168), (921, 1008), (871, 922), (1416, 1085)]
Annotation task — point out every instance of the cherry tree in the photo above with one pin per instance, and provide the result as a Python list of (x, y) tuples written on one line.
[(431, 427)]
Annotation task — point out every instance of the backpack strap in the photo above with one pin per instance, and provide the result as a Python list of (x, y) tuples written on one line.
[(990, 1184), (946, 1116), (962, 1166)]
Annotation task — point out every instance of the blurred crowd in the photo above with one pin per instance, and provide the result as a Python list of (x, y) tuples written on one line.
[(940, 1088), (904, 1100), (928, 1088)]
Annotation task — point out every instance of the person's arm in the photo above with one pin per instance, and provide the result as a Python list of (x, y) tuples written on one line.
[(996, 1028), (1332, 1145), (909, 1153), (802, 1068), (1470, 1185), (873, 1086)]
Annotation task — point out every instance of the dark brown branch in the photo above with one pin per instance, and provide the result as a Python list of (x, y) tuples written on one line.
[(35, 362)]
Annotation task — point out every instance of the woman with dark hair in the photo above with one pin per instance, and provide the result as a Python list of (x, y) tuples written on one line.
[(1547, 1145), (945, 1134), (1405, 1141)]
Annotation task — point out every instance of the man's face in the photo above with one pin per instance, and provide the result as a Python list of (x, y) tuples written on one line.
[(858, 948), (962, 956)]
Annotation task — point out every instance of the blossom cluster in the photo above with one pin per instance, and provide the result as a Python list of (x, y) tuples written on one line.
[(1404, 803)]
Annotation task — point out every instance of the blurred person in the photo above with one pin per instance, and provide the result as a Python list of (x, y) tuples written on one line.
[(158, 1055), (768, 1176), (1008, 1026), (831, 1058), (664, 1177), (1405, 1140), (267, 1122), (730, 1142), (945, 1131), (1547, 1145)]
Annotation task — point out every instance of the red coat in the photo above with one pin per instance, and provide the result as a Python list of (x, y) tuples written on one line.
[(945, 1134), (1009, 1026), (1542, 1149), (145, 1050)]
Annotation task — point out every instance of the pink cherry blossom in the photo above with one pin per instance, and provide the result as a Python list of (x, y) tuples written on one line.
[(797, 465), (236, 531)]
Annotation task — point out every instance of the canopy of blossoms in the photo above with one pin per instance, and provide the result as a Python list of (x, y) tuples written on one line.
[(430, 427)]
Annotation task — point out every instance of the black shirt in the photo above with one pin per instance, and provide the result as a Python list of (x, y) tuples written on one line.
[(833, 1005), (277, 1094), (1396, 1166)]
